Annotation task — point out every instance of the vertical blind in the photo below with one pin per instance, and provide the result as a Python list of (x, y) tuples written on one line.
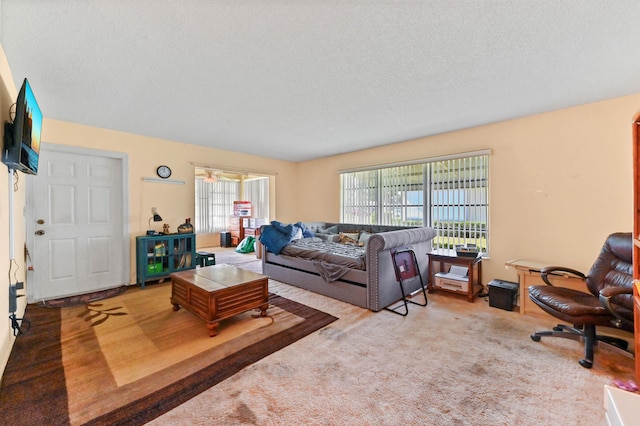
[(257, 191), (214, 204), (448, 194)]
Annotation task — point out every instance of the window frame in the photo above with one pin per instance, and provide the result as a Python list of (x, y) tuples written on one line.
[(213, 216), (464, 192)]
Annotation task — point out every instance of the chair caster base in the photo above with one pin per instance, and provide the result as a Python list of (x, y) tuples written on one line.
[(535, 337), (586, 363), (614, 341)]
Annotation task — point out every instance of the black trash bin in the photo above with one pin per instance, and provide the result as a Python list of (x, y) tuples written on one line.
[(225, 239), (503, 294)]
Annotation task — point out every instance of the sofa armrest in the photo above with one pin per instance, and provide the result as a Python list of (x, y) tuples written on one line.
[(382, 284), (399, 238)]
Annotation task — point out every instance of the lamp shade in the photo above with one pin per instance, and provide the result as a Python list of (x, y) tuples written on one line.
[(156, 218)]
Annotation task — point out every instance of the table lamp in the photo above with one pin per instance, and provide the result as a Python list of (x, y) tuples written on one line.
[(156, 218)]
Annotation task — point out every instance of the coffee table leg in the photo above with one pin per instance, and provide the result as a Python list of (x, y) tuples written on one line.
[(213, 328), (263, 310)]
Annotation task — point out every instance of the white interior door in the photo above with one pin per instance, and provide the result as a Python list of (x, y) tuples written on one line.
[(75, 224)]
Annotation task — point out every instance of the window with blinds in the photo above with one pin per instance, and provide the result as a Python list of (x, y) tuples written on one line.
[(215, 197), (256, 190), (450, 194), (214, 204)]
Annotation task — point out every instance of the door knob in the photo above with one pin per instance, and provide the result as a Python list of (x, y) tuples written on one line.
[(39, 232)]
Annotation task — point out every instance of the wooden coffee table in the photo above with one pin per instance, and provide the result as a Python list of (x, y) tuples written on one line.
[(217, 292)]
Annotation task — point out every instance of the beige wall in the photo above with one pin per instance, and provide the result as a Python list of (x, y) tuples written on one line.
[(8, 94), (560, 181)]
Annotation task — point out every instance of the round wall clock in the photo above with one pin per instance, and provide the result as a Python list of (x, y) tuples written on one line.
[(163, 171)]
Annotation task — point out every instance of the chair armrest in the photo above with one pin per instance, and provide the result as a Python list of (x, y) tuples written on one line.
[(553, 269), (605, 296)]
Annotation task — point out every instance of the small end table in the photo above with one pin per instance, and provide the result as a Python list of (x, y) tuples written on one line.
[(442, 257)]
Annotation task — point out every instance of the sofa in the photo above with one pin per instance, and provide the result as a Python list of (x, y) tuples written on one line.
[(367, 279)]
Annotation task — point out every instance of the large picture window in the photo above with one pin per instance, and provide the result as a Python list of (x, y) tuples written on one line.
[(450, 194)]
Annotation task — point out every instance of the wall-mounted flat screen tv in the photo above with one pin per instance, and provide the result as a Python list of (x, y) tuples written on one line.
[(21, 150)]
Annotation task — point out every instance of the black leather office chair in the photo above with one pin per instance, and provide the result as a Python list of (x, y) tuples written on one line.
[(609, 303)]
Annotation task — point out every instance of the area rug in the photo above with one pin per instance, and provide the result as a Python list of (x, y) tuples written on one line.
[(130, 358)]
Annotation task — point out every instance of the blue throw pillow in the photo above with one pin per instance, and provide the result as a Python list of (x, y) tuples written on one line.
[(276, 236), (288, 230)]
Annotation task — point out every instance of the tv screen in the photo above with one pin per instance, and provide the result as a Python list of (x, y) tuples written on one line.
[(21, 149)]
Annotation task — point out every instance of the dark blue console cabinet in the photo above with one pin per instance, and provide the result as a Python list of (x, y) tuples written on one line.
[(157, 256)]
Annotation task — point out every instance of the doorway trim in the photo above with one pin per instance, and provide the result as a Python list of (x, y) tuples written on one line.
[(30, 201)]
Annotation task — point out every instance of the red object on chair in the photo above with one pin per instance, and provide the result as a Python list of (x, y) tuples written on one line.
[(406, 268)]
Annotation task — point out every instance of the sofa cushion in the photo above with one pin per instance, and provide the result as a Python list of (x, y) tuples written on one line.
[(305, 232), (364, 237), (333, 238), (316, 227), (329, 230)]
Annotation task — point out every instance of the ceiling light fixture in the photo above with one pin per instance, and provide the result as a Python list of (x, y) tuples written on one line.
[(211, 178)]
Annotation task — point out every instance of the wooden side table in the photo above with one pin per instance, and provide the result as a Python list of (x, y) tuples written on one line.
[(236, 228), (442, 257)]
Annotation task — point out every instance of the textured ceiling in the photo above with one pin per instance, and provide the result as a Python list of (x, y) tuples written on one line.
[(299, 80)]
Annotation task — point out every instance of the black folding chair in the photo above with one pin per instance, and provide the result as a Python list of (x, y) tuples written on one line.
[(405, 265)]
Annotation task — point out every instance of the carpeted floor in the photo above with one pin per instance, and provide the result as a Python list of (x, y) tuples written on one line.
[(450, 363), (242, 260)]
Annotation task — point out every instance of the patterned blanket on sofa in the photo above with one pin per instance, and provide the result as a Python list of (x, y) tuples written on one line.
[(351, 256), (332, 260)]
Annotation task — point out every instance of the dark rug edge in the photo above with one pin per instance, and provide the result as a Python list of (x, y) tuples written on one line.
[(154, 405), (42, 362)]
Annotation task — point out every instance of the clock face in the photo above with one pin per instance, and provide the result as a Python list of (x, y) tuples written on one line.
[(164, 172)]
